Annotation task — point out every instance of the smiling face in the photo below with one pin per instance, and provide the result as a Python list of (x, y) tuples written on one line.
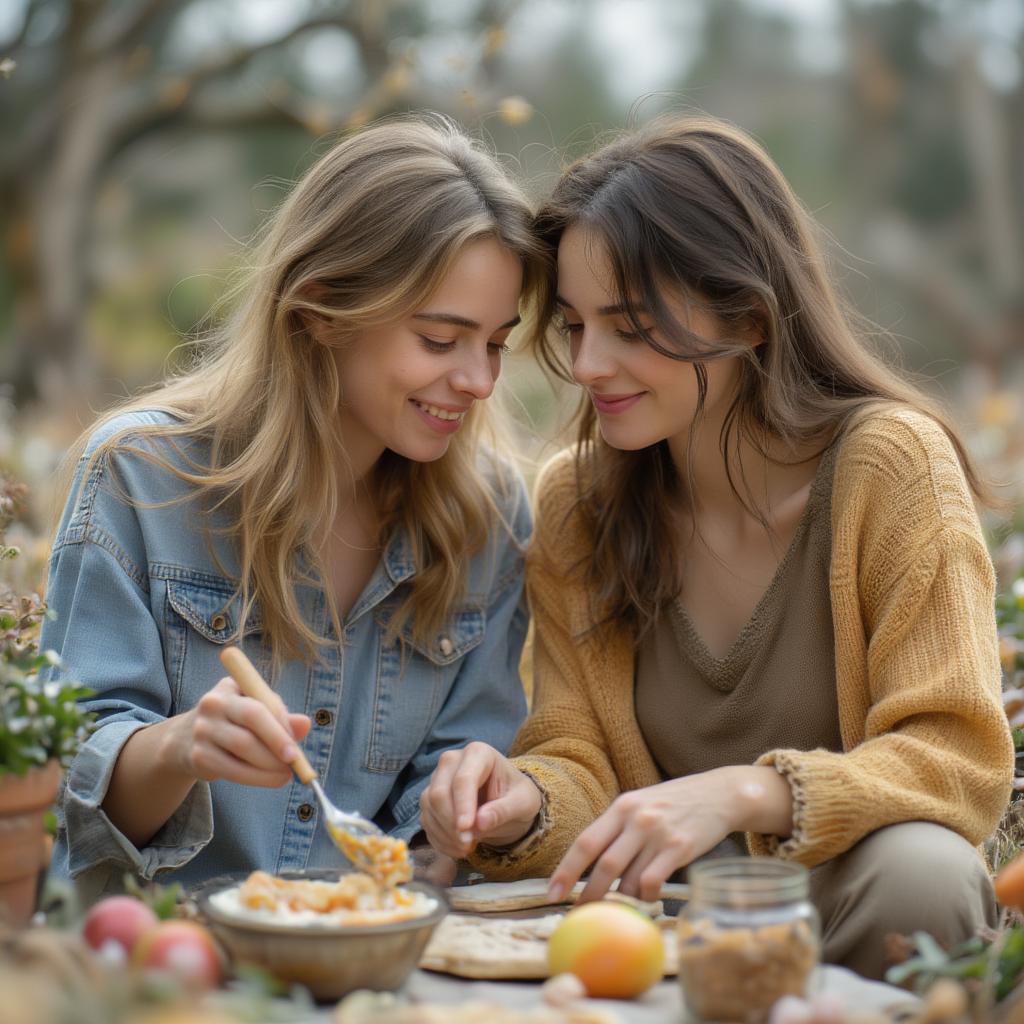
[(408, 386), (641, 396)]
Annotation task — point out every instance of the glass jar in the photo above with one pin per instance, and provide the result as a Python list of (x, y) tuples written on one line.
[(748, 936)]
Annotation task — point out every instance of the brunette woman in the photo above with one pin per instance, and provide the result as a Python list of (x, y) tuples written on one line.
[(762, 600)]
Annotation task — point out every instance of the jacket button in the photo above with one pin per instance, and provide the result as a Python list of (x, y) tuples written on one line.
[(218, 621), (323, 717), (305, 812), (446, 646)]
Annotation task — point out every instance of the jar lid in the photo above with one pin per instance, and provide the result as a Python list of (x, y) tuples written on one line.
[(748, 881)]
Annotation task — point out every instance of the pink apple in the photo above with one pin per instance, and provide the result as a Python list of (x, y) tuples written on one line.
[(117, 920), (183, 949)]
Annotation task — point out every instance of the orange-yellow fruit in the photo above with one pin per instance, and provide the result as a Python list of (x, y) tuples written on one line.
[(616, 951), (1009, 883)]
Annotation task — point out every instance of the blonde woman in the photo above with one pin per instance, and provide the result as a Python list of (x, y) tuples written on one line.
[(320, 490), (760, 592)]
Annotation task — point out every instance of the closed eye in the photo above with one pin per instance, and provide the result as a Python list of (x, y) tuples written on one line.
[(436, 344)]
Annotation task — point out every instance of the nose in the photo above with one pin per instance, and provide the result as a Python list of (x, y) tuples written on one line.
[(591, 359), (475, 375)]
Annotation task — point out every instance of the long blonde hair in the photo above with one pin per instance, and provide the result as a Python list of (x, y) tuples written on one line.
[(364, 238), (694, 207)]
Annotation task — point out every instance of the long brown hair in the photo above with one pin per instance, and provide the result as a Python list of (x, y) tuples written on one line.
[(364, 238), (695, 208)]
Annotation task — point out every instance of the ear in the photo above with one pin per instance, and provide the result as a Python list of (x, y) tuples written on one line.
[(320, 328), (751, 329), (754, 333)]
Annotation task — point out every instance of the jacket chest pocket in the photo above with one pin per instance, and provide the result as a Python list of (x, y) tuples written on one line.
[(413, 682), (202, 616)]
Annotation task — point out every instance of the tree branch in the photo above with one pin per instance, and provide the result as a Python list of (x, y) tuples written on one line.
[(126, 26), (182, 91), (241, 56), (261, 115)]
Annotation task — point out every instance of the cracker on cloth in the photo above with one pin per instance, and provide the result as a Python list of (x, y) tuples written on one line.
[(506, 948), (531, 893)]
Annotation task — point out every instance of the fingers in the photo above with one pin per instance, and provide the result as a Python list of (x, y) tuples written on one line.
[(473, 771), (448, 806), (264, 725), (519, 804), (239, 739), (212, 762), (590, 844), (238, 742), (631, 880), (439, 834), (659, 869), (437, 809), (612, 864), (300, 726)]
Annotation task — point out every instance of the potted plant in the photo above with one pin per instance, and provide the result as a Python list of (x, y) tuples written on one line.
[(41, 726)]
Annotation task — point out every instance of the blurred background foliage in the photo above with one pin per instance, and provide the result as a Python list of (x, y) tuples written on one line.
[(144, 140)]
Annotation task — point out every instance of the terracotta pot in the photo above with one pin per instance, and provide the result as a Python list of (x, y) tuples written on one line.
[(24, 847)]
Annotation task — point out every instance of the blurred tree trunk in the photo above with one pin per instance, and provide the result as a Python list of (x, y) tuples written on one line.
[(96, 87), (969, 278)]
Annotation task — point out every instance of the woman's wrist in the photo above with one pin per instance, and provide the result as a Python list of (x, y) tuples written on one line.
[(762, 799), (516, 831), (533, 819), (169, 742)]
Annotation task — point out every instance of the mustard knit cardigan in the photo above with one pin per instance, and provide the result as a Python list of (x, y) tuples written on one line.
[(916, 654)]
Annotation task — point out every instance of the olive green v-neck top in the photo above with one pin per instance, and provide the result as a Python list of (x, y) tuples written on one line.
[(775, 687)]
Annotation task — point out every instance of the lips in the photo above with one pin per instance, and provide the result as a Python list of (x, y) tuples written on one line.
[(441, 412), (442, 419), (612, 404)]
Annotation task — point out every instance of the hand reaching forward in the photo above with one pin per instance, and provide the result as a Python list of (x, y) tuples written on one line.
[(477, 795), (647, 834)]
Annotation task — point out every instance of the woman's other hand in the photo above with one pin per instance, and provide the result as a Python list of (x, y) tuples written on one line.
[(647, 834), (477, 795), (230, 736)]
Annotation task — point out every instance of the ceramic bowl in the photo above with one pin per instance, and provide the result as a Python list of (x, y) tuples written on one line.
[(330, 960)]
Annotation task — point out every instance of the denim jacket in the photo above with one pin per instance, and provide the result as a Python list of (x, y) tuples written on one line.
[(144, 604)]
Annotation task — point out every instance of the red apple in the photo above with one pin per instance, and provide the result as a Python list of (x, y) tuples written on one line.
[(183, 949), (117, 919)]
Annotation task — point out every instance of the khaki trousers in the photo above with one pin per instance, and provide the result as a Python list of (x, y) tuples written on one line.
[(915, 876)]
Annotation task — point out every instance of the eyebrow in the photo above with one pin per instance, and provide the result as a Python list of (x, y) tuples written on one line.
[(613, 310), (460, 321)]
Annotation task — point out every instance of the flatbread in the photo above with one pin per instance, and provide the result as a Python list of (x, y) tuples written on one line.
[(531, 893), (507, 948)]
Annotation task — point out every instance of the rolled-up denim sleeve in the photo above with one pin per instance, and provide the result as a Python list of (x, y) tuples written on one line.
[(487, 701), (108, 639)]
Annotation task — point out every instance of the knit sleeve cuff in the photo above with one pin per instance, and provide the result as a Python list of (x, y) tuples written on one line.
[(487, 858), (790, 848)]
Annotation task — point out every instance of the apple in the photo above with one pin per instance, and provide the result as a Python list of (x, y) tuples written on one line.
[(117, 921), (183, 949), (615, 950)]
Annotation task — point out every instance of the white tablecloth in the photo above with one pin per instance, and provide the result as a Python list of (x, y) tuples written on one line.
[(661, 1005)]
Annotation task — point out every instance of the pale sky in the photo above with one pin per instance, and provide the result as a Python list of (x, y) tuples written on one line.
[(643, 42)]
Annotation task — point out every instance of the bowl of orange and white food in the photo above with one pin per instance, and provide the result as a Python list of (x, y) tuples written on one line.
[(332, 932)]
